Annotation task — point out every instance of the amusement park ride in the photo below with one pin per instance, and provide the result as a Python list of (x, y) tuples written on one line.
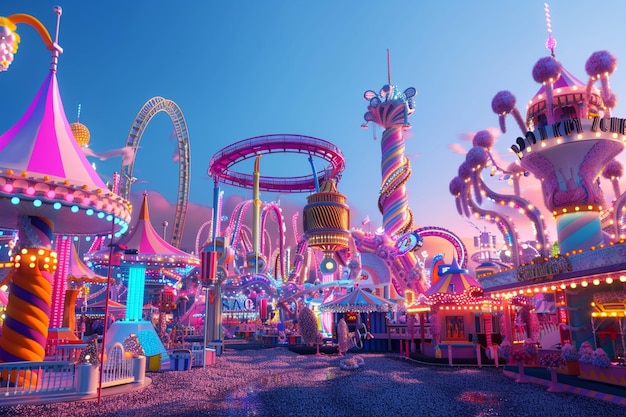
[(236, 276), (330, 258)]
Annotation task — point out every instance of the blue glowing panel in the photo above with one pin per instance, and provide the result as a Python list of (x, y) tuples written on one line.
[(136, 287)]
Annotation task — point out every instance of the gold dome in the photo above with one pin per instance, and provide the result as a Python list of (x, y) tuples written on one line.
[(81, 133)]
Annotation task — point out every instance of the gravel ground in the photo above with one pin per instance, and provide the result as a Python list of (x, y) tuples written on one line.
[(277, 382)]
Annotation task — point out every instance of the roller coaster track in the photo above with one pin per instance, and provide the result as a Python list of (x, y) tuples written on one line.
[(148, 111)]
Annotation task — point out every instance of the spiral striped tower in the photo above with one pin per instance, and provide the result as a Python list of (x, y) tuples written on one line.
[(390, 109)]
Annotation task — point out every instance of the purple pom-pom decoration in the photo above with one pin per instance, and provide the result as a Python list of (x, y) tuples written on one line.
[(546, 69), (456, 186), (613, 169), (601, 62), (465, 171), (477, 156), (484, 138), (503, 102)]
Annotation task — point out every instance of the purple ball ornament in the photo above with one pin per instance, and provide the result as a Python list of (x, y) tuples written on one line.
[(614, 169), (601, 63), (465, 171), (457, 189), (477, 157), (547, 70), (502, 104), (484, 138), (456, 186)]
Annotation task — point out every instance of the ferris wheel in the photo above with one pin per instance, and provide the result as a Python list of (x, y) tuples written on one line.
[(148, 111)]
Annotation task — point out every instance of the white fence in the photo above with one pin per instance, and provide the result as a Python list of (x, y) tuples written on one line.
[(53, 378), (28, 378), (118, 368)]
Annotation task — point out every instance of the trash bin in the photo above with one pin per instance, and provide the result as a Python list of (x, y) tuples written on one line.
[(209, 356), (154, 363), (218, 345), (180, 360)]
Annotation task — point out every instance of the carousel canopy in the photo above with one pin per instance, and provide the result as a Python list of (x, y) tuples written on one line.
[(360, 301), (149, 246), (44, 173)]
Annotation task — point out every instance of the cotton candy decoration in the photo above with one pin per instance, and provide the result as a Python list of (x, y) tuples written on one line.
[(601, 65), (547, 71), (502, 104)]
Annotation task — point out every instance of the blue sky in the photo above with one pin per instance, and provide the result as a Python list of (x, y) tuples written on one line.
[(249, 68)]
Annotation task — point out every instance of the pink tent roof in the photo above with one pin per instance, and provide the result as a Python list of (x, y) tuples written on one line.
[(79, 272), (44, 173), (42, 142), (358, 300), (149, 245), (454, 281), (567, 79)]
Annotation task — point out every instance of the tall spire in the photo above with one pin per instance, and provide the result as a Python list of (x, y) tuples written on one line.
[(551, 42)]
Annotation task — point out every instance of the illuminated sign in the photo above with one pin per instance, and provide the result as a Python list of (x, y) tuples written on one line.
[(566, 128), (553, 266), (408, 242)]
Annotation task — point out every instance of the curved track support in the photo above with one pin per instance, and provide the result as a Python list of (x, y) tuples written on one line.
[(152, 107)]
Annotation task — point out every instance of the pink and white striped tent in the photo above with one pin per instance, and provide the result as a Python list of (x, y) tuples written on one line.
[(150, 247)]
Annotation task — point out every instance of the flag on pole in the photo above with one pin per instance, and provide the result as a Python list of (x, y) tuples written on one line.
[(365, 220)]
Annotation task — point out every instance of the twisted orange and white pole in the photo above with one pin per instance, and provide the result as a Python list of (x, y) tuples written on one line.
[(25, 329)]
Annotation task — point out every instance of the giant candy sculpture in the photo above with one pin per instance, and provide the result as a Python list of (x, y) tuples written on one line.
[(390, 109)]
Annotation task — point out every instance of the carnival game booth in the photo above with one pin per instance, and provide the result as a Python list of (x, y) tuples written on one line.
[(359, 308), (461, 317)]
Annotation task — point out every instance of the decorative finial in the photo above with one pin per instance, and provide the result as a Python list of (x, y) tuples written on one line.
[(58, 11), (551, 42), (78, 114), (388, 67)]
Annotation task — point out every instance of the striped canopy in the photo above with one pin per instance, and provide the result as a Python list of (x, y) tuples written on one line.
[(42, 143), (454, 281), (567, 79), (360, 301), (44, 173), (149, 245)]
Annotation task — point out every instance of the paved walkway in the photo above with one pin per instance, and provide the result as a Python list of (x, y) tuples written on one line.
[(569, 383)]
